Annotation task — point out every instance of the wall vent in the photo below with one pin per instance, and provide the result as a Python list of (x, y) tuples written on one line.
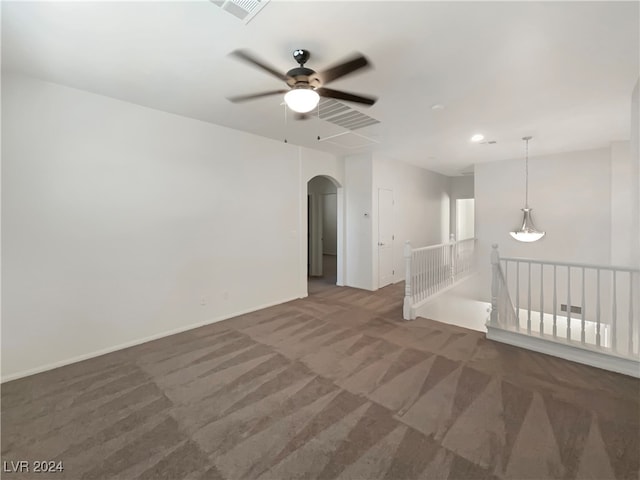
[(342, 115), (574, 309), (244, 10)]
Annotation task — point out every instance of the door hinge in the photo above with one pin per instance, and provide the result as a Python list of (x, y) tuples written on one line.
[(393, 272), (393, 237)]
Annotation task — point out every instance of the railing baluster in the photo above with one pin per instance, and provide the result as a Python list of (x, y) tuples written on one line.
[(630, 352), (418, 263), (408, 281), (419, 273), (432, 270), (506, 273), (496, 289), (541, 299), (425, 271), (598, 307), (452, 266), (614, 314), (568, 303), (436, 267), (517, 295), (529, 301), (443, 264), (429, 272), (555, 304), (582, 333), (425, 274), (431, 264)]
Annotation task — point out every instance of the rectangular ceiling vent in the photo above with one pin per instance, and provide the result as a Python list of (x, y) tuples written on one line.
[(340, 114), (244, 10)]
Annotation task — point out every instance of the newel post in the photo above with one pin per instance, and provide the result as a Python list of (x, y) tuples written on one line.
[(452, 257), (495, 265), (408, 303)]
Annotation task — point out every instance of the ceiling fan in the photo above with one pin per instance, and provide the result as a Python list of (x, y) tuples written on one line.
[(305, 85)]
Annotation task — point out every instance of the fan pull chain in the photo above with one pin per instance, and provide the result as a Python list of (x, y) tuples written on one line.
[(318, 107), (285, 123)]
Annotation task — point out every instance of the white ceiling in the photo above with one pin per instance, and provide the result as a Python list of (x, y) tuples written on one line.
[(560, 71)]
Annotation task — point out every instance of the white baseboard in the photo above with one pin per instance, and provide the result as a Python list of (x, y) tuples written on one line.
[(626, 366), (133, 343)]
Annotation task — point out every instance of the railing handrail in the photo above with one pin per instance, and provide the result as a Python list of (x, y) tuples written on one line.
[(440, 245), (571, 264)]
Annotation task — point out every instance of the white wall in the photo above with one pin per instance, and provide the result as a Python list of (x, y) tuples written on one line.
[(421, 208), (623, 214), (461, 188), (122, 223), (420, 213), (359, 234), (570, 195), (635, 173)]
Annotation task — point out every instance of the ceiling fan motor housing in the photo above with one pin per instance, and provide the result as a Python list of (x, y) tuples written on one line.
[(300, 77)]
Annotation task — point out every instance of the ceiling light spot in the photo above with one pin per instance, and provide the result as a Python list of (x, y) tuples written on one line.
[(437, 106), (477, 137)]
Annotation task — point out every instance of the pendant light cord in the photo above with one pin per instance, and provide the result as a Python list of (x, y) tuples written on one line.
[(526, 172), (526, 176)]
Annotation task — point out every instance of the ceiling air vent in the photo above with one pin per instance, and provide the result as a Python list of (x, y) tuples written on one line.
[(244, 10), (340, 114)]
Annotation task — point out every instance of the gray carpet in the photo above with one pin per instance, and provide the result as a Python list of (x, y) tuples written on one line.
[(332, 386)]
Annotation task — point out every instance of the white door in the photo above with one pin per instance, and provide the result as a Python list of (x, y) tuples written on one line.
[(385, 237)]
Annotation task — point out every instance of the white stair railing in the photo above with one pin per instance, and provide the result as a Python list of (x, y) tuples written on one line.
[(430, 270), (593, 307)]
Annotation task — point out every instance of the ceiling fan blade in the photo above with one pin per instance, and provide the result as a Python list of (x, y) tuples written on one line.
[(249, 58), (350, 97), (244, 98), (344, 68)]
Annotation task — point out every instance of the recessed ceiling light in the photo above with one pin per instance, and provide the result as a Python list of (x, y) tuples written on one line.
[(437, 106), (477, 137)]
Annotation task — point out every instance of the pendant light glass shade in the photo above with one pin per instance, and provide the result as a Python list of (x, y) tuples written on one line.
[(528, 231), (302, 100)]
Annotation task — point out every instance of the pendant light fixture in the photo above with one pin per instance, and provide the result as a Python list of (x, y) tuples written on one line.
[(528, 231)]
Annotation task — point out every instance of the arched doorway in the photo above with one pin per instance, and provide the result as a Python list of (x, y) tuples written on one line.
[(322, 233)]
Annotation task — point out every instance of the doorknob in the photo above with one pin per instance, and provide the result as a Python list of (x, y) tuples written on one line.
[(380, 244)]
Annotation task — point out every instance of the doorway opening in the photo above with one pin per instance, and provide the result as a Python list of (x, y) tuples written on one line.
[(322, 234), (465, 218)]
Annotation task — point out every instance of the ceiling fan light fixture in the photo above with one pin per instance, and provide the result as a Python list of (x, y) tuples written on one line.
[(302, 100)]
